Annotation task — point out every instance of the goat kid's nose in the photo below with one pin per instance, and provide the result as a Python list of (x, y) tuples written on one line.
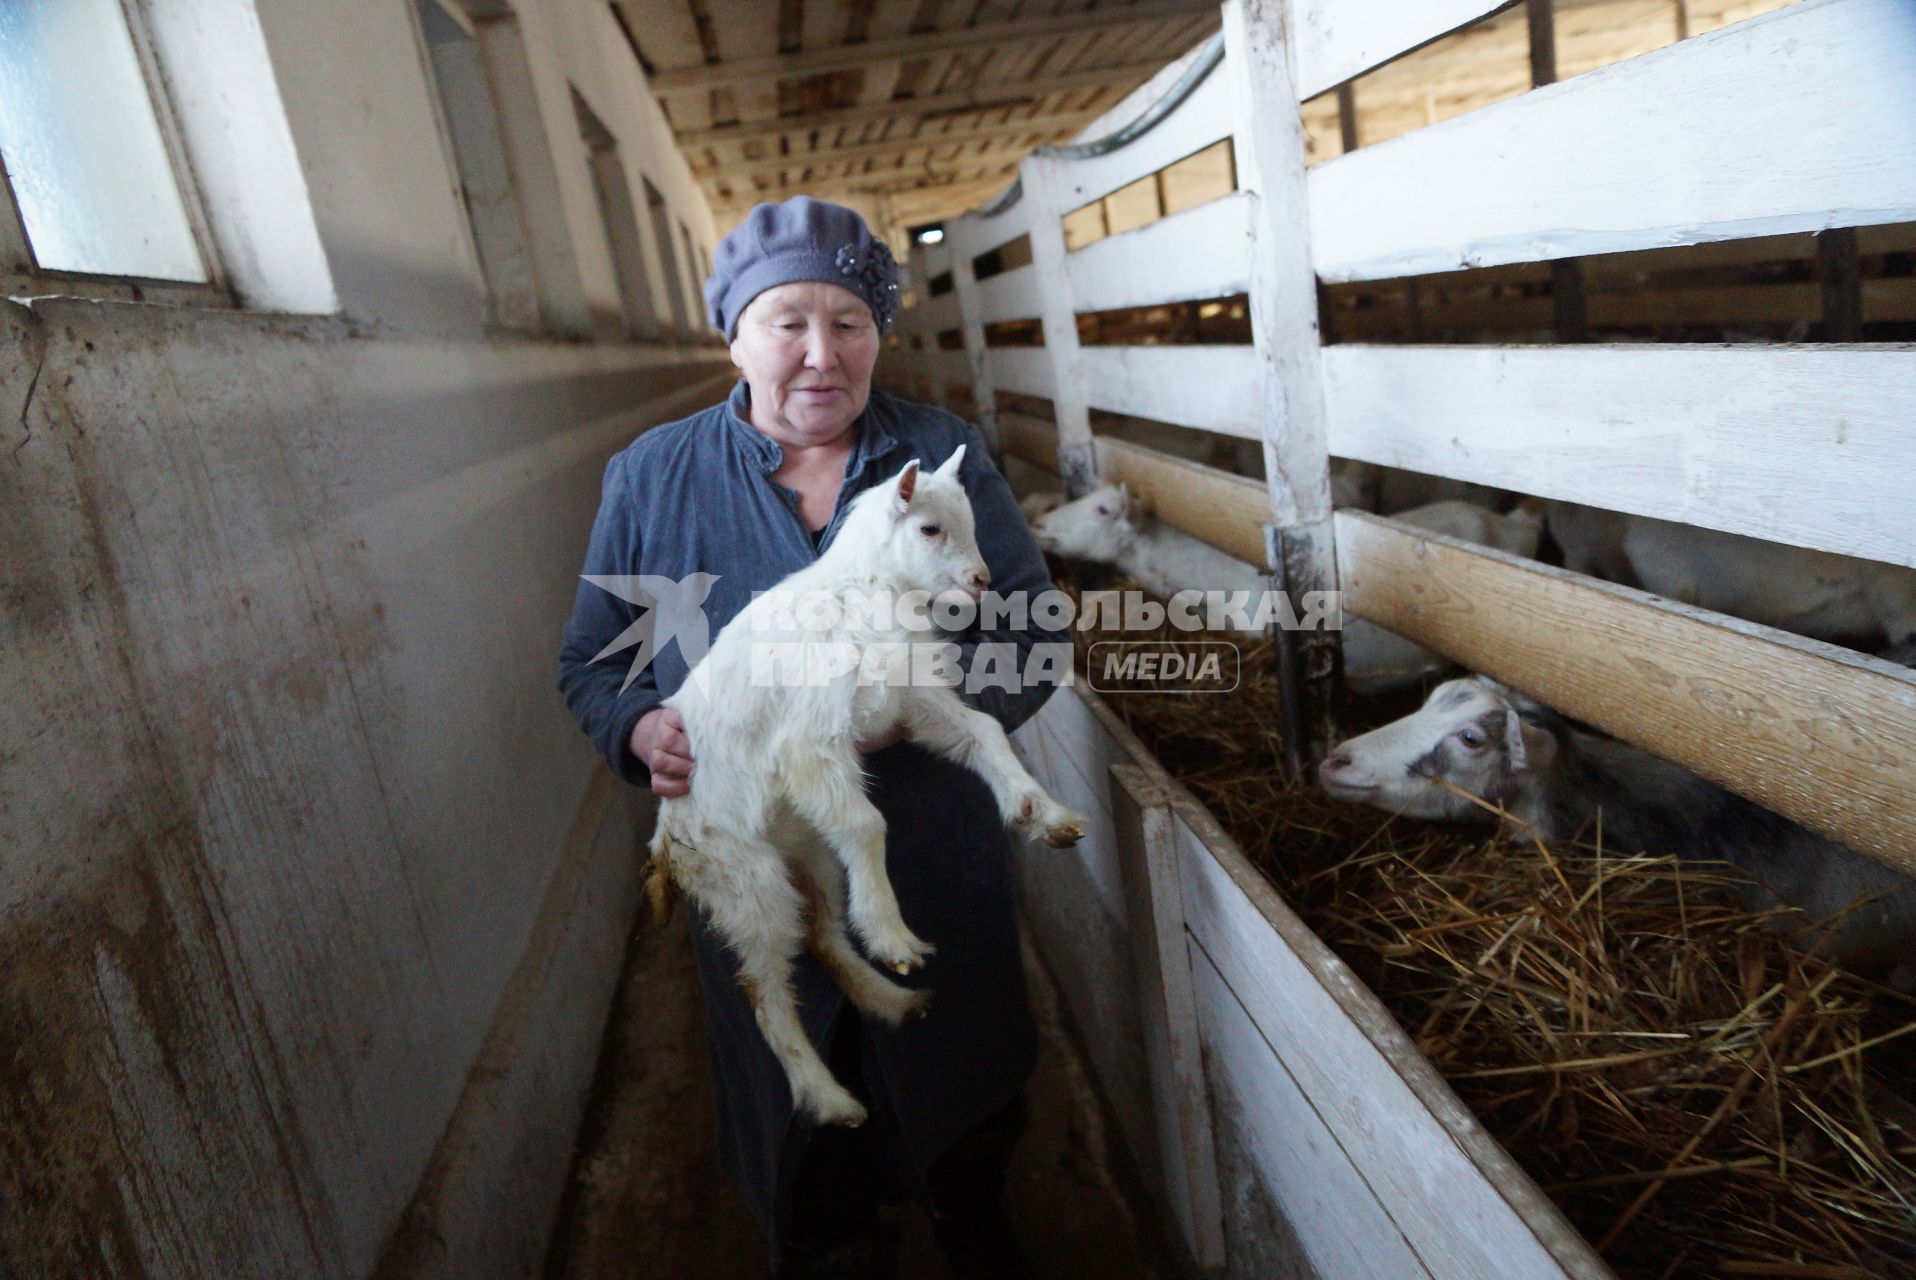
[(1336, 764), (978, 580)]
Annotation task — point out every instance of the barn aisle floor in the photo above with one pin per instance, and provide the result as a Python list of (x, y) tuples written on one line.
[(647, 1198)]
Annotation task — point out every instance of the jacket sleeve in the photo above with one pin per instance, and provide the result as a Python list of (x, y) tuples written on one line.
[(592, 689), (1018, 572)]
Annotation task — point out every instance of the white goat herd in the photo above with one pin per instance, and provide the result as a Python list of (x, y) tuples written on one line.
[(777, 826)]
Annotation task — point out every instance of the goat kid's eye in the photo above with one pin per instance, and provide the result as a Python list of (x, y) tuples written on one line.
[(930, 530), (1104, 511), (1472, 738)]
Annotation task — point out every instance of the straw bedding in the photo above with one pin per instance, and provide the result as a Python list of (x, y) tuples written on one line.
[(1701, 1098)]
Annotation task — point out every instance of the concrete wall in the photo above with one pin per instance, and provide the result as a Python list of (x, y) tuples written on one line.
[(312, 897), (285, 781)]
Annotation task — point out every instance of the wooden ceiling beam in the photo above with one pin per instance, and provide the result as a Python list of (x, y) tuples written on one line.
[(898, 146), (924, 45), (977, 97)]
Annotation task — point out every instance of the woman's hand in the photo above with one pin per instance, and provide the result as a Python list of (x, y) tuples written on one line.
[(659, 743)]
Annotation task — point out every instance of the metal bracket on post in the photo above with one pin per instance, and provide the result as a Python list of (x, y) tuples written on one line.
[(1310, 662)]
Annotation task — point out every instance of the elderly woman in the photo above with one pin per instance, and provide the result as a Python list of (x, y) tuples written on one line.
[(746, 492)]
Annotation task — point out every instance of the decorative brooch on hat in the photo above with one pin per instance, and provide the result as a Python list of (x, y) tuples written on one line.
[(877, 273)]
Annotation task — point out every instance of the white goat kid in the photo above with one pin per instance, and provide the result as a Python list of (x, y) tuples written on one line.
[(777, 821), (1474, 738)]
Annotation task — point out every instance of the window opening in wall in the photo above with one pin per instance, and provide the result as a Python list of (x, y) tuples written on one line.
[(1199, 178), (483, 170), (694, 282), (1844, 285), (662, 234), (93, 174), (1008, 256), (614, 195)]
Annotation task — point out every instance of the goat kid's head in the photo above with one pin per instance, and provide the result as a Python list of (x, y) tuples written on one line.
[(918, 525), (1471, 734), (1099, 526)]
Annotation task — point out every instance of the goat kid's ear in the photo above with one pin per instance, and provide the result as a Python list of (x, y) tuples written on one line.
[(1514, 749), (907, 485), (1124, 499), (1530, 748), (949, 469)]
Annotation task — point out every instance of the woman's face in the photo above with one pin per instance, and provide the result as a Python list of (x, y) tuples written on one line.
[(807, 351)]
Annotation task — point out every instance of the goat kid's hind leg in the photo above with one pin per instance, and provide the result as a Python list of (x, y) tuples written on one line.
[(937, 720), (761, 916), (828, 790), (870, 992)]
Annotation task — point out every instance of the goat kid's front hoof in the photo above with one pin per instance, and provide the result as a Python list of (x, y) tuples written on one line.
[(1065, 834), (1043, 818), (837, 1107)]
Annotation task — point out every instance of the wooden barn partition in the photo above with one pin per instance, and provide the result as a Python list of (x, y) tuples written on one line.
[(1797, 121)]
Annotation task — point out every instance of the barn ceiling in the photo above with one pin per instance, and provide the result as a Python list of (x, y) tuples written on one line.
[(912, 110)]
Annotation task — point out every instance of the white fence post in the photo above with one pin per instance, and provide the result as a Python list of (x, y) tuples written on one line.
[(964, 283), (1077, 460), (1269, 143)]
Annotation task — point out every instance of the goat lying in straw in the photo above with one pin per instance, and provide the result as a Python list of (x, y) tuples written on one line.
[(777, 819)]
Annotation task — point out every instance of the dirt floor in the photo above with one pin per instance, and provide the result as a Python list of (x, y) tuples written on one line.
[(647, 1198)]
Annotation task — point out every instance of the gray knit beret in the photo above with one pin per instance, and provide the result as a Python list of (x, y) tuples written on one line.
[(801, 239)]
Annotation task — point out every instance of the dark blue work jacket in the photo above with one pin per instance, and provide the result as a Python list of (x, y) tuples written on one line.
[(698, 496)]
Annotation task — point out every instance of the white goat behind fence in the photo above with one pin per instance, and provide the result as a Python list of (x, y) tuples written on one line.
[(777, 823), (1518, 759), (1813, 593)]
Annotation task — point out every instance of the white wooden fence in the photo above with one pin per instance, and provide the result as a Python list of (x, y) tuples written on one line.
[(1801, 120)]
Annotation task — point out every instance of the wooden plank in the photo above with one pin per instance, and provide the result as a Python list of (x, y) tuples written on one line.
[(1075, 904), (1346, 1023), (1167, 1009), (667, 35), (898, 149), (1201, 253), (1338, 40), (1029, 439), (1025, 371), (1810, 445), (796, 131), (1009, 295), (1345, 1232), (1822, 735), (983, 232), (1200, 120), (746, 30), (1800, 120), (771, 68), (1458, 1198), (1213, 388)]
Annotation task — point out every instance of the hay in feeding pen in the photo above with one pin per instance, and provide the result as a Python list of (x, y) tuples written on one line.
[(1701, 1098)]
